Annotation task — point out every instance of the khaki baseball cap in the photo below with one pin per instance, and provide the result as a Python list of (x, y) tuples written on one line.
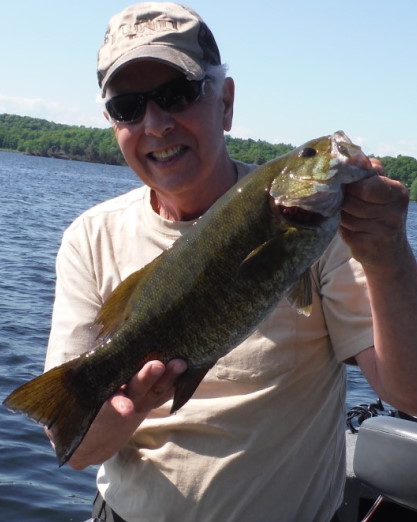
[(162, 31)]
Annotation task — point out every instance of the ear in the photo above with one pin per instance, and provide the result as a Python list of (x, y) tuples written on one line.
[(113, 124), (228, 100)]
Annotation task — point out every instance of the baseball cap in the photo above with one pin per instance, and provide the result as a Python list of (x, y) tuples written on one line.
[(164, 31)]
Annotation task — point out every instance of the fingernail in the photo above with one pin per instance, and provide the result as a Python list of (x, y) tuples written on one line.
[(179, 366), (157, 370)]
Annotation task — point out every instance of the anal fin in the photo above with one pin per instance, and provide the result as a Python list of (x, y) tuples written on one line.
[(187, 384), (300, 294)]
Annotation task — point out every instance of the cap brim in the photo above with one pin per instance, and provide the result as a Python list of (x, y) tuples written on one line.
[(160, 53)]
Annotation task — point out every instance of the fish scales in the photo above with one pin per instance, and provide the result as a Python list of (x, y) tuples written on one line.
[(210, 290), (179, 314)]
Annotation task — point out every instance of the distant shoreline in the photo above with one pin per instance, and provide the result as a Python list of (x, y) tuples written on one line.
[(37, 137)]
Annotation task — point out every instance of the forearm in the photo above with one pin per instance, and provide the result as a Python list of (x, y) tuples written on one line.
[(107, 435), (102, 440), (373, 224), (393, 297)]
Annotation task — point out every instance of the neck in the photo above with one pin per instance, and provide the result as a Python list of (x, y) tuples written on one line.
[(194, 202)]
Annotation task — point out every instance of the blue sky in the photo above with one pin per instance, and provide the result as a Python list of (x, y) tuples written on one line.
[(302, 68)]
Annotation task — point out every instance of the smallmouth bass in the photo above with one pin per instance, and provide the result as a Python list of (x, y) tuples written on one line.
[(208, 292)]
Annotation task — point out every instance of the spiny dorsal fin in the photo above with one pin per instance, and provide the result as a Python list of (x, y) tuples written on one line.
[(118, 306), (300, 294)]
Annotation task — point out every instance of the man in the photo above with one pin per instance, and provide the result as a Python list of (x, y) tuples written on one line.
[(262, 439)]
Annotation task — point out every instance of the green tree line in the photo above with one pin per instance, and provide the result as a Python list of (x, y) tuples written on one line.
[(39, 137), (44, 138)]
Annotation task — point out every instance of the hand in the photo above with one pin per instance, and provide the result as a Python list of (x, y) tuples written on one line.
[(373, 221), (122, 413), (151, 387)]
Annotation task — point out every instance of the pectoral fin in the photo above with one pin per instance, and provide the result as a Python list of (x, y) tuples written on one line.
[(187, 384), (265, 256), (259, 251), (300, 295)]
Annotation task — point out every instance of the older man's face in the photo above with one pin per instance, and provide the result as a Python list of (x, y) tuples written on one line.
[(173, 152)]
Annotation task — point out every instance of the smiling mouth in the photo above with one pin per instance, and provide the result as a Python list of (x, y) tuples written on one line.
[(167, 154)]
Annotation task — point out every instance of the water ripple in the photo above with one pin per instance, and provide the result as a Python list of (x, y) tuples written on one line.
[(39, 199)]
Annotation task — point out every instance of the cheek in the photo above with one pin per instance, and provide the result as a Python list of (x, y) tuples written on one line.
[(212, 128), (125, 139)]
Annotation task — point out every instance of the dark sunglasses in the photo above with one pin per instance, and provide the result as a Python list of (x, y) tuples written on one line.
[(173, 96)]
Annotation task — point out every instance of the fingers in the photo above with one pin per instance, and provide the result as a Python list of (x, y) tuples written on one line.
[(374, 197), (153, 384), (121, 415), (149, 388), (377, 165), (373, 220)]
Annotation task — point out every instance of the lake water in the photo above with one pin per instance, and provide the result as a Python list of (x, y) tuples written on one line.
[(39, 198)]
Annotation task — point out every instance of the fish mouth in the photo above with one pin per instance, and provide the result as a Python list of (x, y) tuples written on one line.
[(301, 217), (310, 211)]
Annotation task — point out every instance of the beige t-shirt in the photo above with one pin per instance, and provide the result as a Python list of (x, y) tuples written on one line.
[(262, 439)]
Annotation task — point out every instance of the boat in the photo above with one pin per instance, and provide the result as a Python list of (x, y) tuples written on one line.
[(381, 476)]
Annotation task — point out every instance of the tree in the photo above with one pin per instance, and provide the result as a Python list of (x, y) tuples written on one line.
[(402, 168), (413, 190)]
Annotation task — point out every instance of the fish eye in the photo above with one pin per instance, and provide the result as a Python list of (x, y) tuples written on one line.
[(308, 152)]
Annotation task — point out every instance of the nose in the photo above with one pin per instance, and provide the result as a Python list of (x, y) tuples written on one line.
[(156, 121)]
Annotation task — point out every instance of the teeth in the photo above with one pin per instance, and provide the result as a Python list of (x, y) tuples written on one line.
[(167, 154)]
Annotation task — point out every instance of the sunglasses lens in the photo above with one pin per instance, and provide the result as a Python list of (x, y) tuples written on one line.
[(126, 107), (173, 96), (178, 94)]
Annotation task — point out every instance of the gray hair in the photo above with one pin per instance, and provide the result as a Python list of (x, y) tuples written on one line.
[(217, 75)]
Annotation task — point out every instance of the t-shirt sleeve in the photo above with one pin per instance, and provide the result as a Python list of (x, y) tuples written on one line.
[(77, 302), (345, 301)]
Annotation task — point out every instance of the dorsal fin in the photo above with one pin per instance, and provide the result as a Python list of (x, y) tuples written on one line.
[(118, 306)]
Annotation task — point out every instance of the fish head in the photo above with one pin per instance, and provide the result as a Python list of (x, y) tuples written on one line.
[(309, 189)]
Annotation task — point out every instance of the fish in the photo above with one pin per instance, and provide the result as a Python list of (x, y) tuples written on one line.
[(209, 291)]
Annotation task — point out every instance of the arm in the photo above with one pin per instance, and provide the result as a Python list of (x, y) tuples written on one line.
[(374, 226)]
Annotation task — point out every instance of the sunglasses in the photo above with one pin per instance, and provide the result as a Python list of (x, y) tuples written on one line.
[(173, 96)]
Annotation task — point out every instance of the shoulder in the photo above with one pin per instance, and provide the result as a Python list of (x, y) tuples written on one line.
[(244, 168), (111, 211), (118, 204), (97, 228)]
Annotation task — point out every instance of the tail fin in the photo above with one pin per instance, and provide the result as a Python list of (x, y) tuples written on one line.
[(51, 400)]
